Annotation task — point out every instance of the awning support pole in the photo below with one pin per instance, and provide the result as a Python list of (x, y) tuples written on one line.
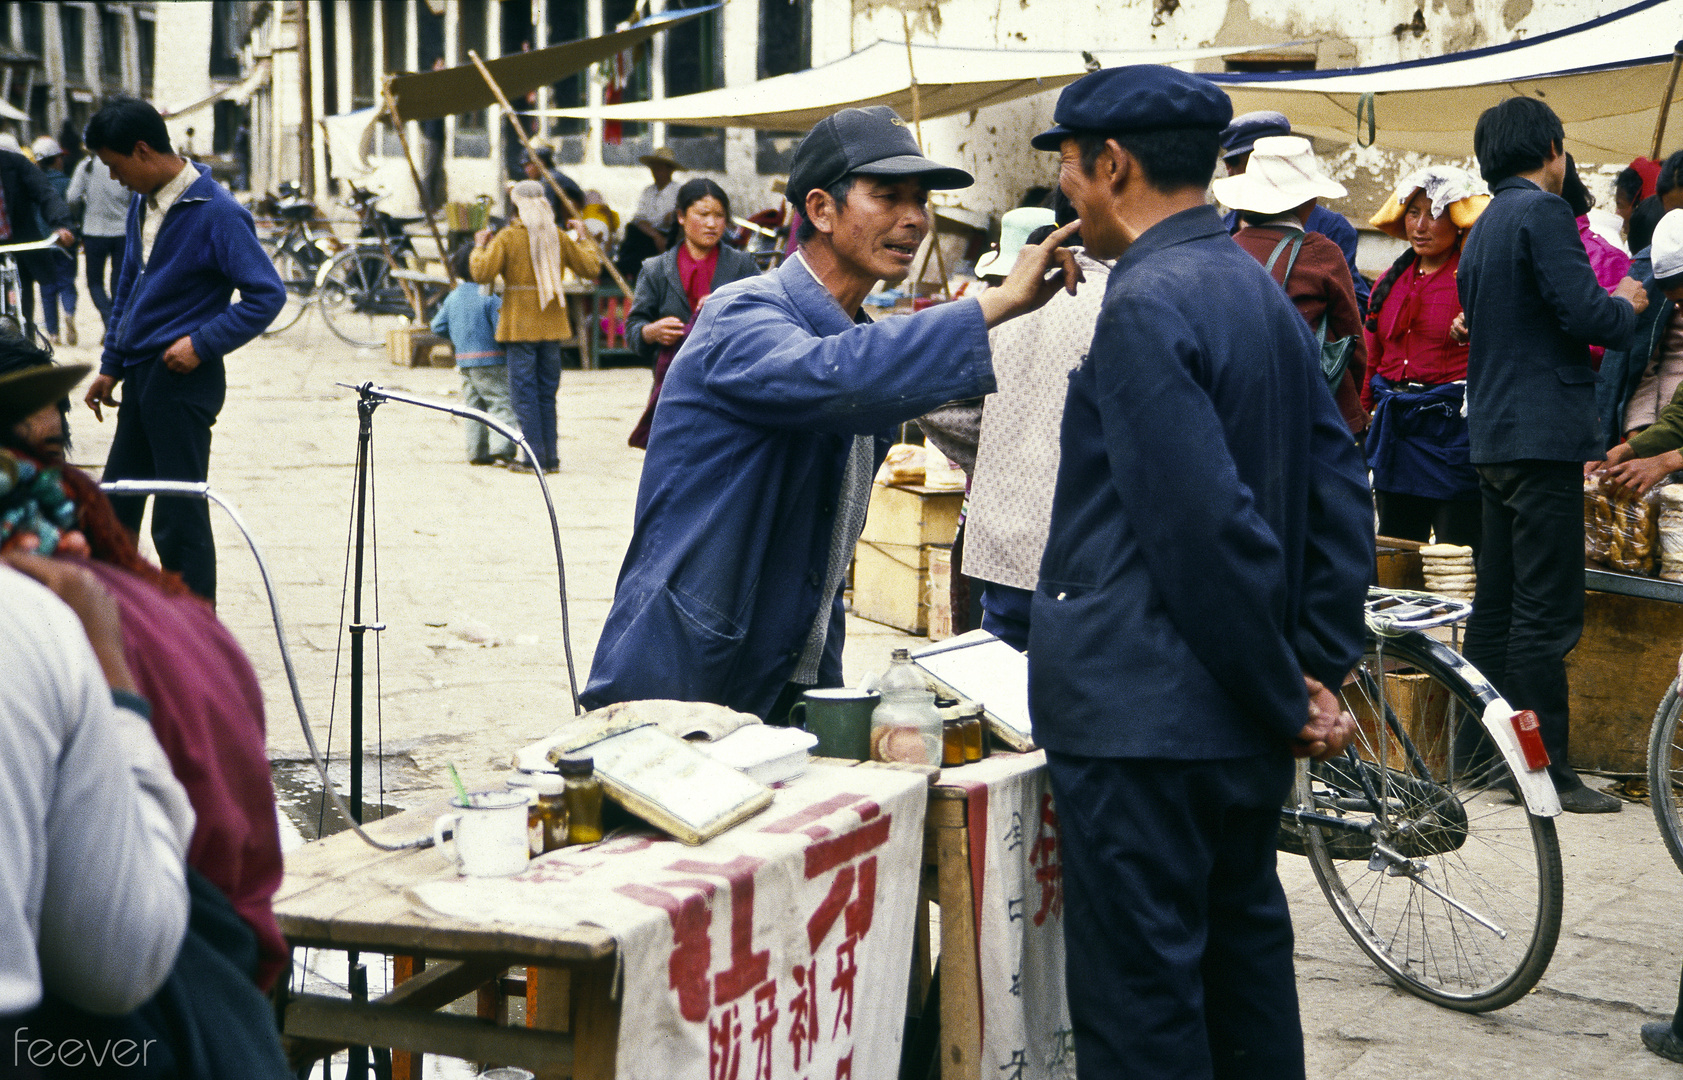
[(520, 133), (917, 129), (1665, 102), (415, 175)]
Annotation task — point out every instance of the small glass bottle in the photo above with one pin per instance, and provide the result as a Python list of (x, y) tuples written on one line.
[(546, 819), (583, 798), (975, 732), (952, 738)]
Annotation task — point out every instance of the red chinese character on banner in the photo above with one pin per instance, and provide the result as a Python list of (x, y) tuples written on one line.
[(844, 1067), (724, 1045), (765, 1024), (1047, 863), (691, 917), (803, 1012)]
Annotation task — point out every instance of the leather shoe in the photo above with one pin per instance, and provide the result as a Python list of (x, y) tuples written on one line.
[(1663, 1041), (1587, 800)]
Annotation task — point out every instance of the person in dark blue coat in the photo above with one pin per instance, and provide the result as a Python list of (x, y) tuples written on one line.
[(771, 423), (1202, 588), (1533, 307)]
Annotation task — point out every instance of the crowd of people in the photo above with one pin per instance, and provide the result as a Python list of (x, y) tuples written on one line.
[(1188, 626)]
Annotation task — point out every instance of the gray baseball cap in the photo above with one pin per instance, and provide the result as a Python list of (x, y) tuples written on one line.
[(872, 140)]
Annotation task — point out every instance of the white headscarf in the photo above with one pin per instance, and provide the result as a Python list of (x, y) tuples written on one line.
[(1443, 184), (543, 238)]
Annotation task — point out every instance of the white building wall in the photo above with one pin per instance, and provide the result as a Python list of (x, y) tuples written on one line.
[(181, 70)]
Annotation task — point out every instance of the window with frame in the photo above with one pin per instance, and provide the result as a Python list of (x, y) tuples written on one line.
[(429, 36), (6, 25), (329, 66), (473, 134), (566, 21), (695, 61), (394, 29), (73, 38), (34, 29), (145, 35), (111, 45), (785, 48), (363, 67), (226, 37)]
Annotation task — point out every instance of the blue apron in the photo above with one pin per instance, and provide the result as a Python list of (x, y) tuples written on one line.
[(1417, 444)]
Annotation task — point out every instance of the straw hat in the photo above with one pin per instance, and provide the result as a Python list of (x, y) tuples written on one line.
[(1282, 174), (1447, 187), (27, 390), (662, 155), (1014, 229)]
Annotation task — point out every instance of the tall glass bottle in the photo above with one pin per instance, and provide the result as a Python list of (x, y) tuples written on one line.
[(906, 726)]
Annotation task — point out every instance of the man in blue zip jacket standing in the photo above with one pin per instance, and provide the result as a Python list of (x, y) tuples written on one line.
[(188, 246)]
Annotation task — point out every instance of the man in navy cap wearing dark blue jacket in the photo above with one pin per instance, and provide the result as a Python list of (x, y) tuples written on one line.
[(1202, 588)]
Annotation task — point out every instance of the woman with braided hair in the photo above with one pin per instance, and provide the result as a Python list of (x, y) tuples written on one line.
[(1417, 444)]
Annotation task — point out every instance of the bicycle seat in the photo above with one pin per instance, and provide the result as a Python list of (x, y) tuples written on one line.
[(301, 211)]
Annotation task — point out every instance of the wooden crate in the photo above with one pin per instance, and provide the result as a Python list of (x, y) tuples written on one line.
[(1620, 670), (940, 592), (1398, 564), (1422, 707), (891, 585), (412, 346), (891, 565)]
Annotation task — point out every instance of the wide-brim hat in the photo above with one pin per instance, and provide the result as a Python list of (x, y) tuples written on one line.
[(661, 155), (1666, 249), (28, 390), (1282, 175), (1452, 189), (1014, 230), (872, 140)]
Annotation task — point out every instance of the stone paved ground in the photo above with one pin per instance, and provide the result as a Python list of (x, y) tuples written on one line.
[(471, 666)]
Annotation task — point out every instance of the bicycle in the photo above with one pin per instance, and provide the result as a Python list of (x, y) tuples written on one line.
[(1431, 838), (366, 290), (12, 321), (298, 252), (1665, 770)]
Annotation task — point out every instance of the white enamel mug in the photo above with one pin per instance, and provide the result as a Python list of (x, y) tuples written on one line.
[(490, 834)]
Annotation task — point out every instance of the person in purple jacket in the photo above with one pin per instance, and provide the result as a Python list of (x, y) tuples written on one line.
[(188, 246)]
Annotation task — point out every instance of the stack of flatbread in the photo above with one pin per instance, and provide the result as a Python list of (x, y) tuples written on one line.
[(1671, 532), (1449, 570)]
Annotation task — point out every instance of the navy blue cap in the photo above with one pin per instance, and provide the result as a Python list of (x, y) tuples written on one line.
[(872, 140), (1241, 135), (1140, 97)]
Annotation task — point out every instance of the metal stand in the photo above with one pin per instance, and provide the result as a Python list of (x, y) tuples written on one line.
[(364, 443)]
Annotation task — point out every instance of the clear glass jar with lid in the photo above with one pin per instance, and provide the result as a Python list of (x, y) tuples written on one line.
[(546, 818), (583, 797)]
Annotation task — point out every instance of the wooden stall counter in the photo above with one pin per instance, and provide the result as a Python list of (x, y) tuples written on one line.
[(1622, 667)]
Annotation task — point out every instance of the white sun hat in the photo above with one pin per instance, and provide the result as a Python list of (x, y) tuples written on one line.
[(1282, 174), (1014, 229), (1667, 246)]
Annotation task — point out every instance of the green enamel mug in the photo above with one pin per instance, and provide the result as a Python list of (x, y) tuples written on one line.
[(841, 718)]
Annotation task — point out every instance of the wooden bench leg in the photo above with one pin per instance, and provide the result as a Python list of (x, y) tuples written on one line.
[(549, 1007), (405, 1065), (595, 1022), (961, 1028)]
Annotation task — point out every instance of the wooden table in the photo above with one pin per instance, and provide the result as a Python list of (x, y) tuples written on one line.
[(341, 894)]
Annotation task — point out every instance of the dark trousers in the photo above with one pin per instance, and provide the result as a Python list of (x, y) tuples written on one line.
[(1005, 613), (1178, 942), (1414, 517), (163, 433), (99, 250), (1528, 609), (534, 377)]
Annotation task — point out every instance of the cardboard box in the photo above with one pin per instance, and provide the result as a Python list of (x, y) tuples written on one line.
[(412, 346), (940, 592)]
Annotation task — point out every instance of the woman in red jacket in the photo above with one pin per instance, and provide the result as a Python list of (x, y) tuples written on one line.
[(1417, 444)]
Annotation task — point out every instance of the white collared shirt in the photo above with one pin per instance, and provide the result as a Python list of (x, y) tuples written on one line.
[(158, 204)]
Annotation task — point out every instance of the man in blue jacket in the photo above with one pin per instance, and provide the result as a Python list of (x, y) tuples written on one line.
[(1533, 307), (189, 245), (1202, 587), (771, 423)]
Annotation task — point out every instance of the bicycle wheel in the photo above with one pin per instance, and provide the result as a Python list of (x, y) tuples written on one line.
[(300, 283), (1665, 772), (1452, 887), (361, 301)]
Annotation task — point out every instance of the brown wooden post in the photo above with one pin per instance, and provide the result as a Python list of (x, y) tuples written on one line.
[(1665, 103), (415, 175), (307, 124)]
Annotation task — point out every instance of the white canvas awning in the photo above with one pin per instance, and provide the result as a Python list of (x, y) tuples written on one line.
[(1604, 78), (949, 81)]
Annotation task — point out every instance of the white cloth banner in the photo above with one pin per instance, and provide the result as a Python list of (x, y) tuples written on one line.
[(779, 949), (1017, 876)]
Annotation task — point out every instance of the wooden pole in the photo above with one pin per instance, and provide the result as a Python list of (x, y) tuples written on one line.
[(1665, 103), (307, 124), (415, 175), (573, 211), (917, 129)]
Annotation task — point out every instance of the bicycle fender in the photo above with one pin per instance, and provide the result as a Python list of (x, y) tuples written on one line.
[(1541, 798)]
